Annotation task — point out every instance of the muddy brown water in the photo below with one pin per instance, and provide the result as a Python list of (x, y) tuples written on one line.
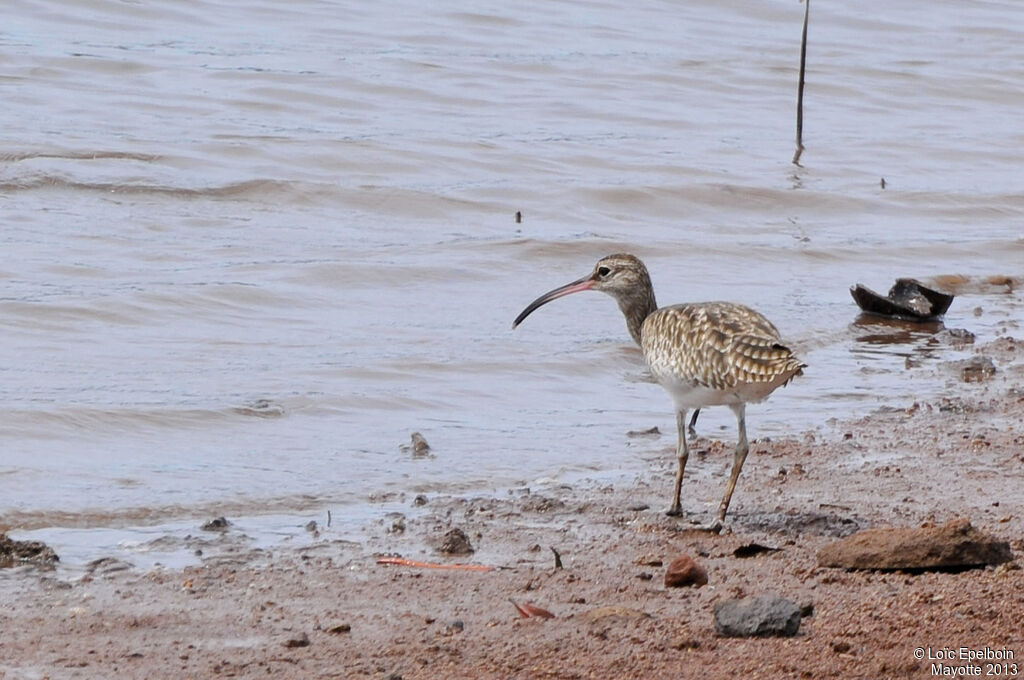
[(249, 249)]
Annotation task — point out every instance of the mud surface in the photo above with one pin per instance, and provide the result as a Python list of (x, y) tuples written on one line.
[(329, 610)]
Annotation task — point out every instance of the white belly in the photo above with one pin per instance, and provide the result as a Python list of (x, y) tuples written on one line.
[(688, 395)]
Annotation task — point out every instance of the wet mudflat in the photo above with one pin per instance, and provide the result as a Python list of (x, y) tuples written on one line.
[(328, 609)]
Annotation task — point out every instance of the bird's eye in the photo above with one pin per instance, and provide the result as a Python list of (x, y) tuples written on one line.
[(603, 271)]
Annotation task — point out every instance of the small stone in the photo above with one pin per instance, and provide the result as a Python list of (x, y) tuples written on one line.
[(419, 500), (684, 571), (339, 628), (456, 542), (955, 544), (765, 615), (311, 525), (455, 626)]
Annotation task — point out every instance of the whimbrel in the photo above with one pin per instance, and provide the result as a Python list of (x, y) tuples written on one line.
[(703, 354)]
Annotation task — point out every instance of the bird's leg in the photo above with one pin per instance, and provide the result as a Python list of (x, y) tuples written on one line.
[(682, 453), (742, 448), (692, 429)]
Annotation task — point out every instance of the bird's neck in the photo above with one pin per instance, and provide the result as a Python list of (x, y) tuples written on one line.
[(636, 309)]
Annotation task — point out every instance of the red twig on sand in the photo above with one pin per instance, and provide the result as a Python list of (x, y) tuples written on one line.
[(528, 610), (401, 561)]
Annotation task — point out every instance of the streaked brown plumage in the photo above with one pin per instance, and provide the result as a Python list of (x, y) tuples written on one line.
[(703, 354)]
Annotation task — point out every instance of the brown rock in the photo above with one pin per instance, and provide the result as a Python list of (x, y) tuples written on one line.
[(683, 571), (955, 544)]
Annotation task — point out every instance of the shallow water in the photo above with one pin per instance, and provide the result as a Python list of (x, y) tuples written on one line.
[(250, 249)]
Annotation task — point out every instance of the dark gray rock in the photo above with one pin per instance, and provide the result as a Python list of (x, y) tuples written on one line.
[(764, 615), (954, 545)]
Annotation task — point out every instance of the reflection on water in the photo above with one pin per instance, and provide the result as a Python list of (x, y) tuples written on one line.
[(242, 266)]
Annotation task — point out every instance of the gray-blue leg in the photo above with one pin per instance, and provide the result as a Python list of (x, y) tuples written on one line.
[(682, 453), (742, 448)]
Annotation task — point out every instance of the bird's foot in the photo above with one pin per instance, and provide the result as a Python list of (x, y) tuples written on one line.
[(675, 511), (713, 528)]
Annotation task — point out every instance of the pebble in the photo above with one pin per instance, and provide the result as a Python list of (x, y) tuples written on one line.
[(684, 571)]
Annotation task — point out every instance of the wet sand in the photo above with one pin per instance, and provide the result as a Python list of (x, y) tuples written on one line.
[(329, 610)]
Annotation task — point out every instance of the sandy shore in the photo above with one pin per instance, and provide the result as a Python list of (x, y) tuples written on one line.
[(328, 610)]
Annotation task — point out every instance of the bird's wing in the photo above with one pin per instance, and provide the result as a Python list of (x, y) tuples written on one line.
[(718, 345)]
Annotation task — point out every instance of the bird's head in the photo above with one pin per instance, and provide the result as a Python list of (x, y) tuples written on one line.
[(622, 276)]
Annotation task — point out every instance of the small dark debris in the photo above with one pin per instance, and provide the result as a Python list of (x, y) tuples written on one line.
[(652, 432), (300, 641), (397, 523), (261, 408), (558, 559), (14, 552), (645, 576), (456, 542), (639, 507), (455, 626), (751, 549), (106, 565), (907, 299), (684, 643), (977, 369), (957, 337), (311, 525), (418, 446), (419, 500), (339, 628), (218, 524)]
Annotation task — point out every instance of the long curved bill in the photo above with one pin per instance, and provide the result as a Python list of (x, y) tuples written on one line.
[(586, 283)]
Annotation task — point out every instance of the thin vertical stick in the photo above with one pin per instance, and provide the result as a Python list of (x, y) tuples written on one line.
[(800, 88)]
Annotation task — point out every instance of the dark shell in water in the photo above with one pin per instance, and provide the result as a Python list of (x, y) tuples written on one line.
[(907, 299)]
